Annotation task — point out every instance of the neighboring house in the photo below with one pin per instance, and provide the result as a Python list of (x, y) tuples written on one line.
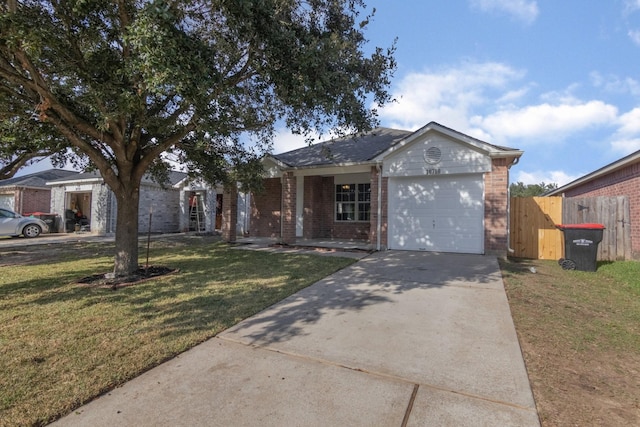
[(434, 189), (29, 193), (84, 201), (620, 178)]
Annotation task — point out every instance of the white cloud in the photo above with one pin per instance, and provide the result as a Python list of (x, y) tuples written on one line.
[(546, 122), (450, 95), (630, 123), (488, 101), (513, 95), (631, 6), (614, 84), (284, 141), (634, 35), (523, 10), (625, 146), (549, 177), (627, 139)]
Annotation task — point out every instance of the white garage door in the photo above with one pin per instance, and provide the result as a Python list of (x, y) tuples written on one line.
[(441, 214), (6, 201)]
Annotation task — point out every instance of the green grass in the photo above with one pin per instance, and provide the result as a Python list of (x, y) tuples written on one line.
[(580, 335), (62, 344), (587, 308)]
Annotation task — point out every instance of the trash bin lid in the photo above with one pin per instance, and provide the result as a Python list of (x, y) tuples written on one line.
[(580, 226)]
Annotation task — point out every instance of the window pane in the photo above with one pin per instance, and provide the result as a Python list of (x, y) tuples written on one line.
[(345, 211), (353, 202), (364, 192), (364, 211)]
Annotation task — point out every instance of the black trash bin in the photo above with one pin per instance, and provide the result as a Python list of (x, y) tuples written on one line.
[(580, 246), (50, 219)]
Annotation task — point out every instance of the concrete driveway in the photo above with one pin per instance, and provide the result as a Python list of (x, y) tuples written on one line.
[(396, 339)]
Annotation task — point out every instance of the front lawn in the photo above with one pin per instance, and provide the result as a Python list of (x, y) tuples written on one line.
[(580, 337), (62, 344)]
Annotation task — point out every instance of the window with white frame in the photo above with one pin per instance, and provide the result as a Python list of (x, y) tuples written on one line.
[(353, 202)]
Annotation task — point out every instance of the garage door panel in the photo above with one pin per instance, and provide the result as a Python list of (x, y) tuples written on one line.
[(437, 214), (7, 201)]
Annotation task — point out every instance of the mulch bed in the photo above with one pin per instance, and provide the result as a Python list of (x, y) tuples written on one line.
[(106, 280)]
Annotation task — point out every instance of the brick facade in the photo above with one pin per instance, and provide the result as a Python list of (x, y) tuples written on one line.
[(495, 208), (622, 182), (289, 192), (28, 200), (319, 210), (377, 158), (384, 216), (318, 206), (230, 213), (165, 204), (265, 210)]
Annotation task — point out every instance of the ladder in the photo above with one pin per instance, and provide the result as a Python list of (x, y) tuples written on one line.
[(196, 222)]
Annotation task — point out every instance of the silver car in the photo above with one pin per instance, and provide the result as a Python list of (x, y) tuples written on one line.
[(14, 224)]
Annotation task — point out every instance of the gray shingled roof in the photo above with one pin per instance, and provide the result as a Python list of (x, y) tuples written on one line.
[(174, 177), (350, 149), (37, 179)]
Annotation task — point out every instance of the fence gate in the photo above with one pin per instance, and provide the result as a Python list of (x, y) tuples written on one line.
[(533, 232), (613, 213)]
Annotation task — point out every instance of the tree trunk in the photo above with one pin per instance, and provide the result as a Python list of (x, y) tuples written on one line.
[(126, 257)]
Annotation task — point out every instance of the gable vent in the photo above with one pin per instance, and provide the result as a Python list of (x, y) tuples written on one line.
[(433, 155)]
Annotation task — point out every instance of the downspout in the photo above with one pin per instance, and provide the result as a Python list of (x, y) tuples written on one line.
[(247, 202), (509, 248), (281, 208), (21, 193), (379, 224)]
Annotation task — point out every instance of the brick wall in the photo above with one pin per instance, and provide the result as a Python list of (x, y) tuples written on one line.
[(318, 211), (229, 213), (624, 182), (166, 209), (374, 210), (289, 192), (495, 208), (265, 210), (33, 200), (29, 200), (324, 212), (317, 202)]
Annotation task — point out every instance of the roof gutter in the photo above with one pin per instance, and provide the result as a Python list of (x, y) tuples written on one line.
[(76, 181), (328, 165), (509, 248), (379, 221)]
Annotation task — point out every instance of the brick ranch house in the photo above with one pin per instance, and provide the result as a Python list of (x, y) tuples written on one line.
[(29, 193), (434, 189), (181, 205), (620, 178)]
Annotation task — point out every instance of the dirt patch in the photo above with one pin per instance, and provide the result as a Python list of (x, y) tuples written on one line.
[(582, 366), (107, 280)]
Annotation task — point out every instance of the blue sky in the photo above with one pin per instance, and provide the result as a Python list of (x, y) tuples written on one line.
[(559, 79)]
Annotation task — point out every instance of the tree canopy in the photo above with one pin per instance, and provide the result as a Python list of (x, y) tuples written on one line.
[(24, 139), (125, 82), (519, 189)]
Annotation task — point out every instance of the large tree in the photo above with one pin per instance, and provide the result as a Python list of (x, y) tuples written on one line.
[(126, 81)]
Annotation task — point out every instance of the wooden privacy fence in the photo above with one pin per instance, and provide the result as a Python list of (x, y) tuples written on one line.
[(533, 233)]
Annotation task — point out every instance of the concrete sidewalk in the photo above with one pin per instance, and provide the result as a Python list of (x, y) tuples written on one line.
[(398, 338)]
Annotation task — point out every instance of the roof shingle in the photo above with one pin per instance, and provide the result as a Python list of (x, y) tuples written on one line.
[(349, 149)]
